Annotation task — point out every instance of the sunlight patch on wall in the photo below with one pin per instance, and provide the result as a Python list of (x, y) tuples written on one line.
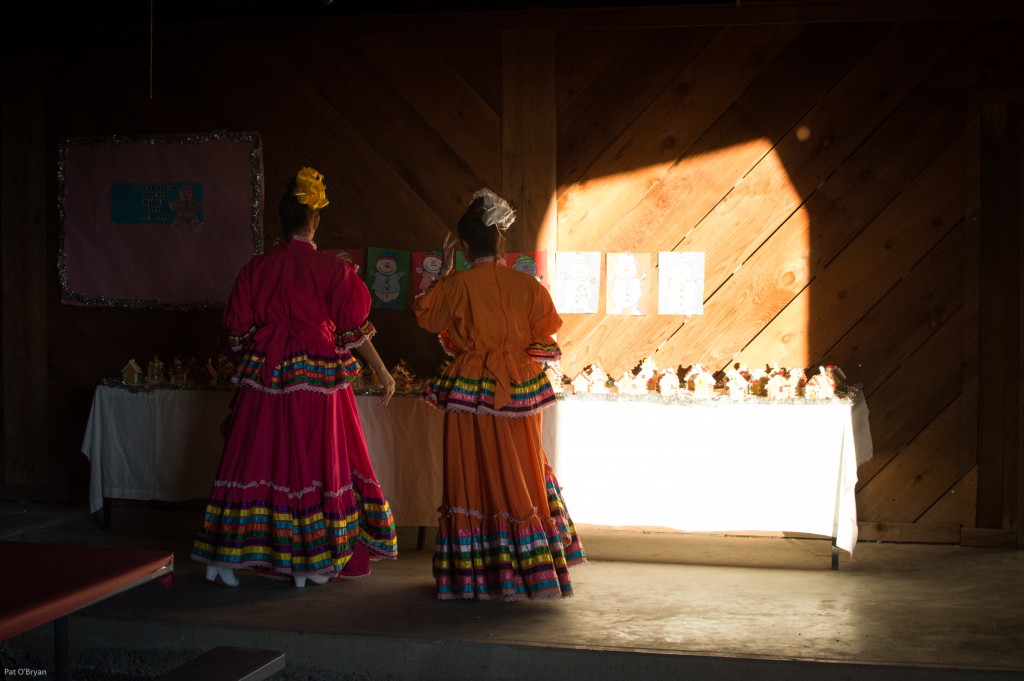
[(738, 206)]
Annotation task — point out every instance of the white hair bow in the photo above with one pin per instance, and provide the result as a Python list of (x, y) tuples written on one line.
[(497, 212)]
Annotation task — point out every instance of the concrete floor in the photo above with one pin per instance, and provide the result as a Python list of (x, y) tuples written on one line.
[(655, 605)]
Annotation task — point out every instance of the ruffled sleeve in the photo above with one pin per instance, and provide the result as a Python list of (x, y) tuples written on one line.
[(432, 309), (434, 314), (349, 303), (239, 316), (544, 323)]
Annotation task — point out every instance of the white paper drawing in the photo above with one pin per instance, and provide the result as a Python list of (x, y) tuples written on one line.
[(681, 283), (628, 288), (578, 274)]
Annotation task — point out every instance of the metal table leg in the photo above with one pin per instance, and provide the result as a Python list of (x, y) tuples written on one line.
[(107, 501), (61, 649)]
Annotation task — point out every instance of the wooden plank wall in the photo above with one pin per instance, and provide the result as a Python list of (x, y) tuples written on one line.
[(829, 170)]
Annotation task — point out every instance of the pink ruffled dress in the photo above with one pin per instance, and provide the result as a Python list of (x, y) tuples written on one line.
[(295, 492)]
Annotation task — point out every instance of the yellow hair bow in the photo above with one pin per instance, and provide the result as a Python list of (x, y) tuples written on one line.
[(310, 188)]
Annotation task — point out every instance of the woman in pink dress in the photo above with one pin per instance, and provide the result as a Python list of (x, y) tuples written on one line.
[(296, 497)]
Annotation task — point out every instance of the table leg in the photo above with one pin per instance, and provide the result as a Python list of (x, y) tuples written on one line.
[(835, 555), (106, 512), (421, 537), (61, 649)]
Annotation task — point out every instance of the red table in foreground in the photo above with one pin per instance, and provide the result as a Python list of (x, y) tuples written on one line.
[(42, 583)]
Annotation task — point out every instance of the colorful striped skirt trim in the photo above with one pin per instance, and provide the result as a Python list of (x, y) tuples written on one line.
[(264, 528), (485, 556)]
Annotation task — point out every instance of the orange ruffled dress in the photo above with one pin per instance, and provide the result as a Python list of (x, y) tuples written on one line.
[(503, 528)]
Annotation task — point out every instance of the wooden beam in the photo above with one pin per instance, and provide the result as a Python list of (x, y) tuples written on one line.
[(24, 272), (917, 533), (1019, 520), (528, 16), (988, 539), (999, 333), (528, 132)]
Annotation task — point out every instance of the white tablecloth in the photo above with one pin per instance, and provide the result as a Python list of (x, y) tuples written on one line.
[(714, 467), (166, 444)]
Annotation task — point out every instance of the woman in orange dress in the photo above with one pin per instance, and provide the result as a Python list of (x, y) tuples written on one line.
[(503, 529)]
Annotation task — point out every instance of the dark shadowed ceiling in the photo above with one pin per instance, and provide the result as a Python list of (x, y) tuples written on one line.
[(37, 19), (133, 11)]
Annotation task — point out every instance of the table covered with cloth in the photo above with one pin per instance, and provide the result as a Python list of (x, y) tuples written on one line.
[(698, 465), (712, 465), (166, 444)]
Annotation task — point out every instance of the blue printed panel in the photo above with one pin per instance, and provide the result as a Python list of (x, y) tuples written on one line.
[(140, 203)]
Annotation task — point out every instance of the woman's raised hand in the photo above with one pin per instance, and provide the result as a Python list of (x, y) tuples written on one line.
[(448, 253)]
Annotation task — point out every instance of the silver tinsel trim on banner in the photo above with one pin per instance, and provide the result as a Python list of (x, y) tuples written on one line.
[(256, 171)]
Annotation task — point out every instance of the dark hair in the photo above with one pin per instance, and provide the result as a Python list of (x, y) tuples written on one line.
[(294, 215), (481, 239)]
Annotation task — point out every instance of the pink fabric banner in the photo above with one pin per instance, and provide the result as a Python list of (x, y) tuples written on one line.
[(158, 222)]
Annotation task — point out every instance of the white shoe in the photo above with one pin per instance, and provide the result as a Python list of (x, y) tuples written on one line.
[(300, 580), (221, 576)]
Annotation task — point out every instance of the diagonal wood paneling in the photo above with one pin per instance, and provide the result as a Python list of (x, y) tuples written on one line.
[(416, 170), (580, 57), (528, 137), (655, 140), (594, 115), (904, 311), (445, 101), (930, 465), (477, 57), (863, 268), (903, 407), (956, 505), (765, 112), (624, 174), (814, 230), (757, 238), (408, 158)]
